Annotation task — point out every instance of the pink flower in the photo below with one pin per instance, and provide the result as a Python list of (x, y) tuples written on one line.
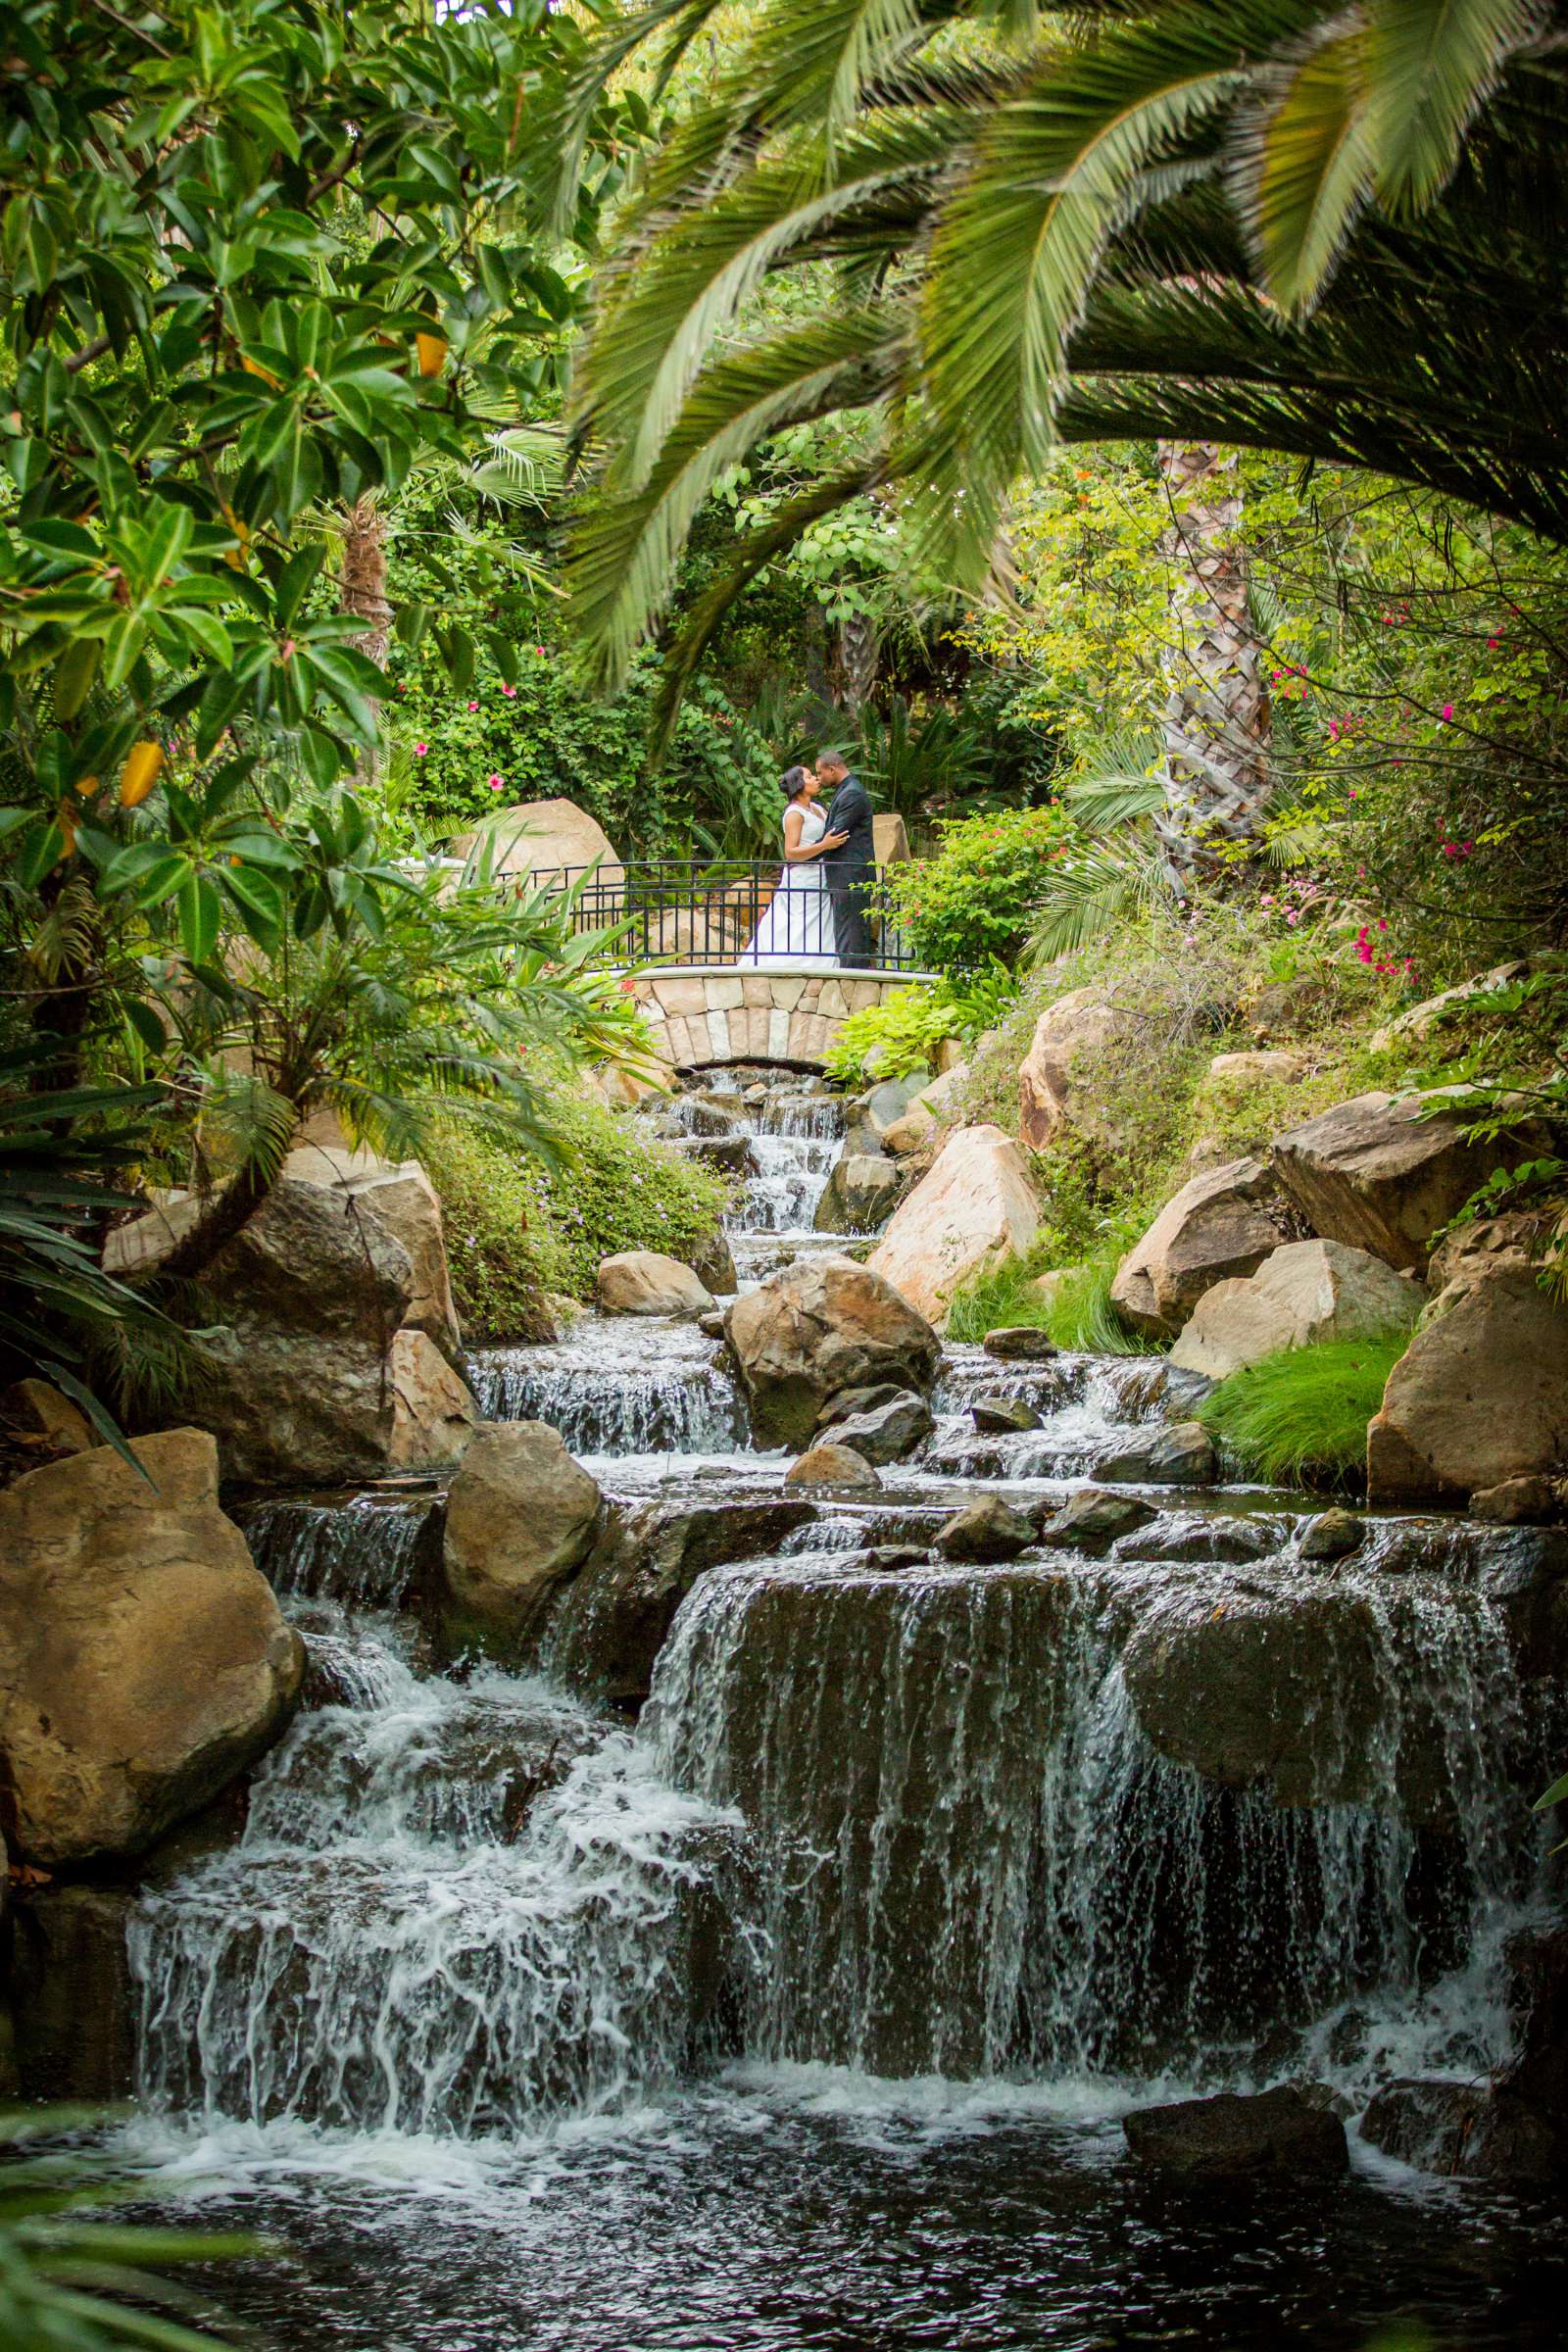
[(474, 706), (1355, 795), (1382, 923), (508, 690), (539, 649), (1291, 915), (419, 749), (1447, 710)]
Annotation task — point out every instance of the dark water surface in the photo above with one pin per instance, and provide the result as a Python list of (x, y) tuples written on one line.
[(735, 2225)]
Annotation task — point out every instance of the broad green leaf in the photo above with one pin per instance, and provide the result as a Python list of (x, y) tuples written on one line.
[(200, 915)]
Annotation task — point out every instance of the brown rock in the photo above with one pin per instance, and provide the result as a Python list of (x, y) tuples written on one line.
[(1274, 2132), (830, 1464), (1075, 1026), (1375, 1173), (984, 1533), (1219, 1227), (1516, 1238), (645, 1282), (544, 839), (520, 1516), (143, 1660), (1519, 1503), (1479, 1398), (290, 1409), (1303, 1293), (612, 1619), (859, 1193), (822, 1325), (974, 1208), (37, 1418)]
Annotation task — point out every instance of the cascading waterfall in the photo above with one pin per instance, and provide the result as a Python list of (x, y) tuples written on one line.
[(1024, 1841), (457, 1907), (653, 1388), (795, 1138), (977, 1863)]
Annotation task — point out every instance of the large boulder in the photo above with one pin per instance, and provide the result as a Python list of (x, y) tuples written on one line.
[(291, 1409), (1078, 1025), (859, 1195), (1302, 1293), (335, 1356), (1277, 2132), (143, 1659), (344, 1243), (520, 1516), (1377, 1173), (645, 1282), (974, 1208), (1480, 1396), (541, 839), (1287, 1690), (821, 1325), (1220, 1227)]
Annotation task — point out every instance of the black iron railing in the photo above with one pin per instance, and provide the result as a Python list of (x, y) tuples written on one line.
[(747, 912)]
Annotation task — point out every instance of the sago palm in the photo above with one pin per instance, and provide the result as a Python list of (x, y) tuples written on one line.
[(1332, 231)]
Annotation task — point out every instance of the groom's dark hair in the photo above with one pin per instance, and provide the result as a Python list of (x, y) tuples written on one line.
[(833, 759)]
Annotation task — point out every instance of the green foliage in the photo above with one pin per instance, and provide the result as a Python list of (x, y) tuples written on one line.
[(57, 1163), (1494, 1109), (516, 1230), (902, 1035), (536, 736), (974, 903), (894, 1039), (72, 2277), (1300, 1417), (992, 1298), (1188, 224), (1075, 1312)]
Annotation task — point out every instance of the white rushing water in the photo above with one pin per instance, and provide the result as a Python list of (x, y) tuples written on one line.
[(878, 1823)]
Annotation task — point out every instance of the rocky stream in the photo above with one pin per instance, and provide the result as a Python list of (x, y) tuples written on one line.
[(773, 1962)]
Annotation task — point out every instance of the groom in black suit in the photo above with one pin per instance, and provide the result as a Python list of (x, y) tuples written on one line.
[(851, 866)]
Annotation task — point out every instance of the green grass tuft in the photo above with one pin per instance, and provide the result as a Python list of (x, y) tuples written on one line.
[(1301, 1416), (1080, 1316), (999, 1296)]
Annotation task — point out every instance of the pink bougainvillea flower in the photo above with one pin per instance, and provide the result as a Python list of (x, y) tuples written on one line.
[(494, 783), (419, 749), (1382, 922)]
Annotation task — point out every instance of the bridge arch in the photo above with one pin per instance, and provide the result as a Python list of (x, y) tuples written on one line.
[(702, 1016)]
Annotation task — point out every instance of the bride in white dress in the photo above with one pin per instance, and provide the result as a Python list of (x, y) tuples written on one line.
[(799, 922)]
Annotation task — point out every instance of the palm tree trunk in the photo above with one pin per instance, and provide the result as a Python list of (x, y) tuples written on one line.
[(1216, 717), (363, 591)]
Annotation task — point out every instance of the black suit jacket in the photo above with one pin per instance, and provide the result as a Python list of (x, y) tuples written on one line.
[(850, 813)]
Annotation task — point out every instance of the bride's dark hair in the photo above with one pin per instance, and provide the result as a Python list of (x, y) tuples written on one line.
[(791, 781)]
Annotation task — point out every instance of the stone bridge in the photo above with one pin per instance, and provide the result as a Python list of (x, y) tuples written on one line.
[(699, 1017)]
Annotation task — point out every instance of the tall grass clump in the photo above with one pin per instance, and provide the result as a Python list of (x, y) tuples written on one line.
[(1299, 1417), (1077, 1315)]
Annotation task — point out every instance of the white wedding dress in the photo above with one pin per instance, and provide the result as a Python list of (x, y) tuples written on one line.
[(797, 926)]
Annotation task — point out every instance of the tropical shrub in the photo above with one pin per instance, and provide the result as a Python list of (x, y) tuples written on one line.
[(517, 1229), (903, 1034), (974, 903)]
